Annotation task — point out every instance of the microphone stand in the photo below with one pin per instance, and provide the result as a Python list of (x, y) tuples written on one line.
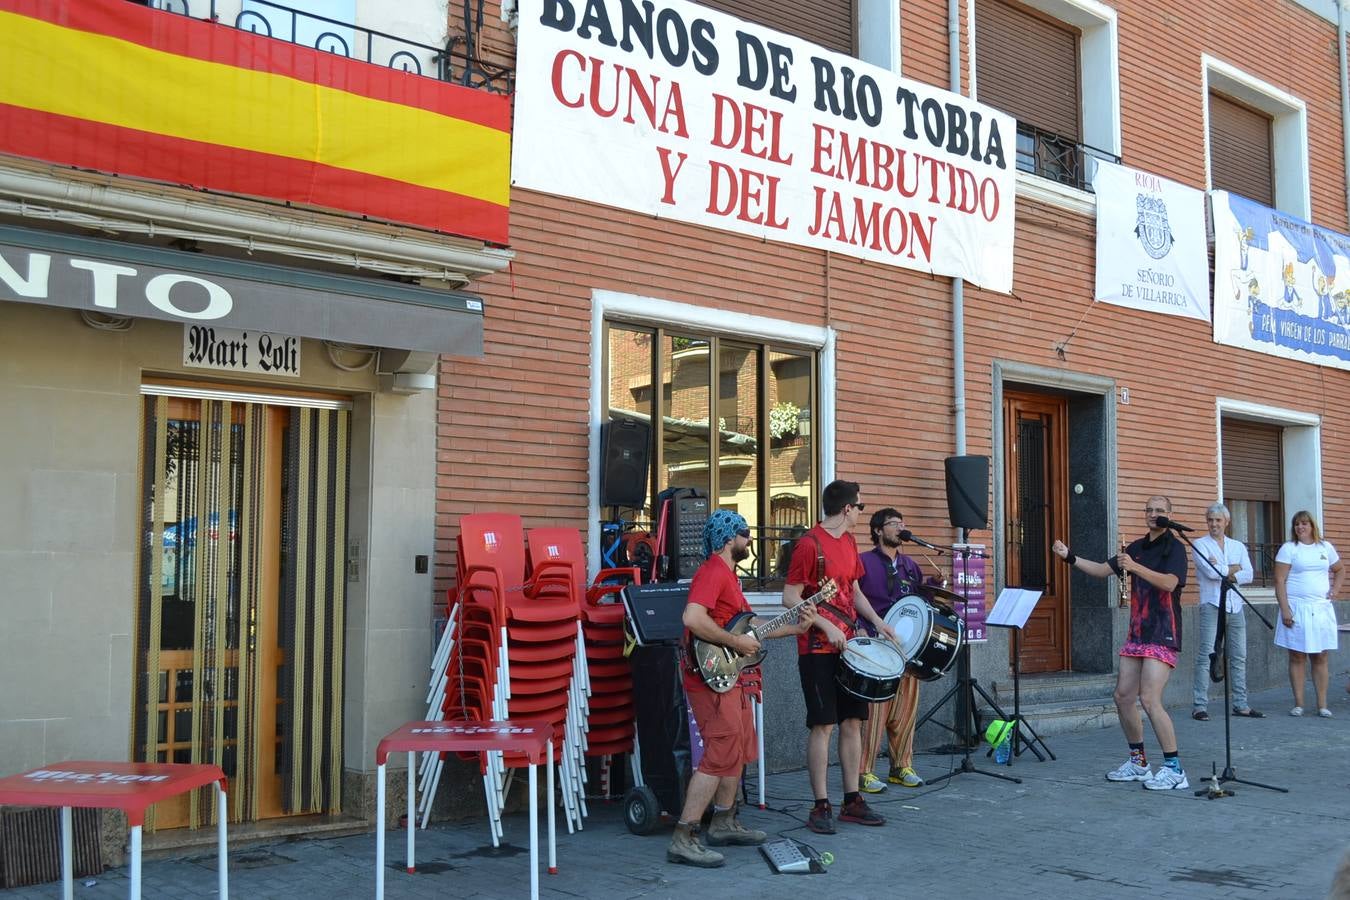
[(1229, 774), (964, 691)]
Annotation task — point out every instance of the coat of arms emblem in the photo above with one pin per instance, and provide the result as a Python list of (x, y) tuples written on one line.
[(1152, 229)]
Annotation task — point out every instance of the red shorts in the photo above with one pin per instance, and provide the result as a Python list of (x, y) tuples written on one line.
[(727, 725)]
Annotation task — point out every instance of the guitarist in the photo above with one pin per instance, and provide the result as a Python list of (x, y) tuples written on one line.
[(829, 551), (725, 720)]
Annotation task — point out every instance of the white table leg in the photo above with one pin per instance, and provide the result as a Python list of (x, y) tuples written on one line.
[(67, 853), (379, 832), (534, 831), (552, 848), (412, 813), (135, 862), (222, 851)]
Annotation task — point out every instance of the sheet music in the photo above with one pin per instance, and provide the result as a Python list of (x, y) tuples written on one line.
[(1013, 607)]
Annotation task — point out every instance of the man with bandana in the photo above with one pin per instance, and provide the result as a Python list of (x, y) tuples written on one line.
[(725, 720)]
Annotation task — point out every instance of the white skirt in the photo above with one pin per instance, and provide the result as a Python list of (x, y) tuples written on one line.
[(1314, 627)]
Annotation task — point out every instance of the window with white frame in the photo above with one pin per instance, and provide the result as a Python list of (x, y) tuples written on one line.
[(1270, 468), (1052, 64), (1256, 139)]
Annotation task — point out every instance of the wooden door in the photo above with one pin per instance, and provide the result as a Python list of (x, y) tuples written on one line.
[(1036, 501), (243, 519)]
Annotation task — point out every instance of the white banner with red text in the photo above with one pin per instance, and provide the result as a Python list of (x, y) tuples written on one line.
[(680, 112)]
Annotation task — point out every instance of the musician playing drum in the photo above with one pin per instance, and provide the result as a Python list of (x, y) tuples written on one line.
[(829, 551), (724, 719), (890, 575)]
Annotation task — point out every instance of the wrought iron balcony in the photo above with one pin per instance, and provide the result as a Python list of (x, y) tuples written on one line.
[(458, 62), (1056, 157)]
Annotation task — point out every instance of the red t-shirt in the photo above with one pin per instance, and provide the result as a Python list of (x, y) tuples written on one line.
[(842, 564), (716, 587)]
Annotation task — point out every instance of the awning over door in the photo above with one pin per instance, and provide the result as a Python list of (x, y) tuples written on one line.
[(148, 282)]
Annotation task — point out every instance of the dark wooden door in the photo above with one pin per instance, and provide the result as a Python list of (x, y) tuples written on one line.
[(1036, 455)]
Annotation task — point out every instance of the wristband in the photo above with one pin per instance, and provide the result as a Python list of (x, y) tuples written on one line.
[(1071, 559)]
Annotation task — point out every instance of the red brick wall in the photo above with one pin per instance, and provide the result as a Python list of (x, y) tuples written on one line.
[(513, 431)]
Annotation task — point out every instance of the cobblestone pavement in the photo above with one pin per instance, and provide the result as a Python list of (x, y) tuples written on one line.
[(1065, 832)]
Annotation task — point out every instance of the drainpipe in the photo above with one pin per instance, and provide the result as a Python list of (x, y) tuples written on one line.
[(958, 286), (1345, 98)]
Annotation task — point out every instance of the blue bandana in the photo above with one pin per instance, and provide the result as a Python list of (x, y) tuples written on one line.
[(720, 528)]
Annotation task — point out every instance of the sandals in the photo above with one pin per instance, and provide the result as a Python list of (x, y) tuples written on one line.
[(1200, 715), (1248, 713)]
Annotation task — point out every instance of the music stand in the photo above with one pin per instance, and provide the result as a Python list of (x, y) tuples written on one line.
[(966, 688), (1011, 610)]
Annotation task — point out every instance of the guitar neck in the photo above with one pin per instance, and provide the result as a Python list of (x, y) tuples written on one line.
[(787, 617)]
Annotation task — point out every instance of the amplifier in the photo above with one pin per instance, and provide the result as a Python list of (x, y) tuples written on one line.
[(656, 611), (689, 511)]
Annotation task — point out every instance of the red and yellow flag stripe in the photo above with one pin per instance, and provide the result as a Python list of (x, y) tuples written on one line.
[(113, 86)]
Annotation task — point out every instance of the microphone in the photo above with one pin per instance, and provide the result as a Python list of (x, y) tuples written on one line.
[(908, 536), (1164, 522)]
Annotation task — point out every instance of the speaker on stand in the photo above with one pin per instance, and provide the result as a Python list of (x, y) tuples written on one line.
[(968, 491), (625, 450)]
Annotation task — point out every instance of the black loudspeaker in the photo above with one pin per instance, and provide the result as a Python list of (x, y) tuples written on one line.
[(625, 445), (968, 491)]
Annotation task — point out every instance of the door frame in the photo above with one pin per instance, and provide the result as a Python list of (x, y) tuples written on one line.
[(1018, 375)]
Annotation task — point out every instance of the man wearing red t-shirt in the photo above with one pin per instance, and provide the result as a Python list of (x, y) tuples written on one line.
[(828, 551), (724, 720)]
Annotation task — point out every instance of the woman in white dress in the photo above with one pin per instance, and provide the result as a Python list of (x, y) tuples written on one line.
[(1304, 588)]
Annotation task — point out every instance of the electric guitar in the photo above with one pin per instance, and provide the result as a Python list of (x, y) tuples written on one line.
[(721, 666)]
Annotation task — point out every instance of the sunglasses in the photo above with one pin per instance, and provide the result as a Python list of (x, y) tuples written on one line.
[(860, 507), (744, 532)]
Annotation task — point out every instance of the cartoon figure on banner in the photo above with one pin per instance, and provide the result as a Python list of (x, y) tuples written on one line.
[(1258, 311), (1322, 287), (1341, 301), (1245, 236), (1152, 228), (1291, 298)]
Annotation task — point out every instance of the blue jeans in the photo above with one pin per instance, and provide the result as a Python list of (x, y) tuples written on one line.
[(1206, 624)]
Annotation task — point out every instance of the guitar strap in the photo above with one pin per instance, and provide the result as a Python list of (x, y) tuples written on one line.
[(842, 616)]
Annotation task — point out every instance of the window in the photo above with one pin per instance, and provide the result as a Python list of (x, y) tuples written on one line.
[(1251, 490), (1239, 150), (1052, 65), (1256, 139), (1270, 467), (732, 418), (828, 23)]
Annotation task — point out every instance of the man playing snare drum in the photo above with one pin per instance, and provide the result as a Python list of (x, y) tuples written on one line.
[(828, 552), (888, 576)]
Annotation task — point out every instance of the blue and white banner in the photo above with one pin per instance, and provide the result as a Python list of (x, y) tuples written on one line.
[(1281, 285), (1151, 252)]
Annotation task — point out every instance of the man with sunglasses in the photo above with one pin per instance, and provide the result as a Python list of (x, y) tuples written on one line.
[(1158, 563), (828, 552), (724, 720)]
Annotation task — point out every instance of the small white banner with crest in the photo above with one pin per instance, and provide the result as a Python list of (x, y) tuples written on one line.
[(1151, 252)]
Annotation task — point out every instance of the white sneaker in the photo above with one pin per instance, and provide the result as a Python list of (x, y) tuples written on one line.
[(1128, 771), (1167, 779)]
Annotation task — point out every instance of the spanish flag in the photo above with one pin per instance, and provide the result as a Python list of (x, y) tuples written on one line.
[(116, 87)]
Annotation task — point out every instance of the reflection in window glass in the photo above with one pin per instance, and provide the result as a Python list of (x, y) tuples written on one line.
[(738, 433), (791, 450), (685, 392), (629, 374)]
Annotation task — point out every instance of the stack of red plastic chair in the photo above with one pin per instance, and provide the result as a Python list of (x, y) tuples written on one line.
[(609, 723), (509, 651)]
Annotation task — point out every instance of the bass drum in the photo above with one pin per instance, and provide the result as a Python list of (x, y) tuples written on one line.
[(870, 669), (930, 635)]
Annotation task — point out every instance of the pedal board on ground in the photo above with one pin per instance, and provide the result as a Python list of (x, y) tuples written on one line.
[(787, 857)]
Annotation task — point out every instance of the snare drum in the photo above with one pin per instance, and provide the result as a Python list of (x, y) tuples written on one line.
[(930, 635), (870, 669)]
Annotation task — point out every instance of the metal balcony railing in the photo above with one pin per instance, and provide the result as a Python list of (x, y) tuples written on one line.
[(457, 62), (1056, 157), (1263, 564)]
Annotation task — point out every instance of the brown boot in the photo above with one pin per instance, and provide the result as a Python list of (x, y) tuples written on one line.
[(684, 848), (725, 829)]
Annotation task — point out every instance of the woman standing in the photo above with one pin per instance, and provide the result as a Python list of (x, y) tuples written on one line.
[(1304, 589)]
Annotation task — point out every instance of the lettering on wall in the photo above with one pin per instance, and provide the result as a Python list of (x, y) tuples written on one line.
[(228, 350)]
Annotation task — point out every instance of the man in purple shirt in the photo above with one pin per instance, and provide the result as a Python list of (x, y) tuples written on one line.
[(889, 575)]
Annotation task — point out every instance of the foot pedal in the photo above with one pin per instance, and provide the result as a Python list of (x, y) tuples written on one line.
[(787, 857)]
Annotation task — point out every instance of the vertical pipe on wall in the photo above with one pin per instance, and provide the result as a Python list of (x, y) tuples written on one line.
[(1345, 98), (958, 286)]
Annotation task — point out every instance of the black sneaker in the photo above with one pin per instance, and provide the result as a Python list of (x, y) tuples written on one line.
[(860, 813), (821, 819)]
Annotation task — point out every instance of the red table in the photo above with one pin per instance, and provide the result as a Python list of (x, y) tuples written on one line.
[(130, 787), (531, 737)]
